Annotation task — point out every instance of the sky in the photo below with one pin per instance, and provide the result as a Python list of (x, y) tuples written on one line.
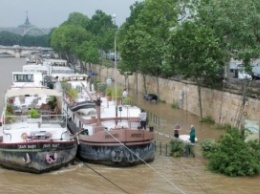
[(51, 13)]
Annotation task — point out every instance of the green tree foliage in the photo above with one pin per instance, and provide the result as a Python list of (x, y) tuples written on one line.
[(144, 35), (147, 30), (103, 30), (88, 51), (232, 156), (236, 22), (66, 38), (10, 39), (195, 52), (79, 19)]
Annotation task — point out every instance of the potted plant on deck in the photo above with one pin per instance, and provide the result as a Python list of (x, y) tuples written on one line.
[(117, 95), (109, 93)]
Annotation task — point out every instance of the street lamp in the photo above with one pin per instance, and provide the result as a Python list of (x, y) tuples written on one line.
[(115, 56)]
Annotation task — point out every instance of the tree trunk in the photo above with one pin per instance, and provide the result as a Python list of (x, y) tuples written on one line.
[(158, 88), (200, 100), (136, 83), (144, 82)]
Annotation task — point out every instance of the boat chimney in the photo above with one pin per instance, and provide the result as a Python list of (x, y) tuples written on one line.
[(98, 127)]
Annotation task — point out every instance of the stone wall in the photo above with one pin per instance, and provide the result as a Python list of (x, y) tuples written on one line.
[(223, 107)]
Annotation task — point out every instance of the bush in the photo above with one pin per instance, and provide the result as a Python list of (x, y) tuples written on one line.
[(233, 156), (175, 105), (208, 120), (208, 146), (221, 126), (177, 148)]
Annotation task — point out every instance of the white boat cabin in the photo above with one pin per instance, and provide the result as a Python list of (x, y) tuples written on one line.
[(26, 79)]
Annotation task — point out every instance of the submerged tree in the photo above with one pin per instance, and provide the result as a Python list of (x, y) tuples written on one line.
[(233, 156)]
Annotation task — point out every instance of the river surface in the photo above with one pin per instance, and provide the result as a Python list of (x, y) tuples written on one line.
[(164, 175)]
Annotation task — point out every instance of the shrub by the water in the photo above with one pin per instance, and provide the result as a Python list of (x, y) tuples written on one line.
[(208, 146), (177, 148), (232, 156)]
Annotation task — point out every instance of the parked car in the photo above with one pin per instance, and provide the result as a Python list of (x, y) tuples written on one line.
[(151, 98)]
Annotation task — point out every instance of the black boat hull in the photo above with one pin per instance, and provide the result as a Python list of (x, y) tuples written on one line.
[(37, 157), (120, 155)]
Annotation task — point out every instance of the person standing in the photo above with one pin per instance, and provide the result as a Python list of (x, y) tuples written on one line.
[(143, 118), (192, 134), (124, 95), (176, 130)]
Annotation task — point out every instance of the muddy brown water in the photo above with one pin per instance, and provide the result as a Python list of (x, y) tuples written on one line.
[(164, 175)]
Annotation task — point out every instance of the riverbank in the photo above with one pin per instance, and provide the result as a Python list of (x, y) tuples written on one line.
[(224, 107)]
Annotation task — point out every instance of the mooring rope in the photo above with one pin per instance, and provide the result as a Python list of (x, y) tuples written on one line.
[(167, 180)]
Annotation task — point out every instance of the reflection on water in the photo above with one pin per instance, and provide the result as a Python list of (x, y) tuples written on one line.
[(164, 175)]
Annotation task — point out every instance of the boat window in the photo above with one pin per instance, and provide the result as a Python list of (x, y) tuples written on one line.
[(23, 78)]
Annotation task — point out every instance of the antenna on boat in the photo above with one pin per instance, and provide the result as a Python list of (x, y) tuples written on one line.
[(115, 56), (115, 65)]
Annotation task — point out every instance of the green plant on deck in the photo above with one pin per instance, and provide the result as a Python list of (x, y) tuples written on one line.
[(9, 117), (73, 93), (101, 87), (52, 102), (34, 113), (109, 91), (10, 109), (117, 93), (127, 100), (65, 86)]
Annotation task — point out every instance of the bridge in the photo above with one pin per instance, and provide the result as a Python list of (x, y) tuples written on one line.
[(22, 51)]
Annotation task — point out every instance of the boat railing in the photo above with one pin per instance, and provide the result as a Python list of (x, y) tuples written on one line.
[(42, 119)]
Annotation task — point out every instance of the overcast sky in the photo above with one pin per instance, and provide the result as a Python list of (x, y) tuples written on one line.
[(51, 13)]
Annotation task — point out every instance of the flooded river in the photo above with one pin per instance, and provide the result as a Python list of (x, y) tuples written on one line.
[(164, 175)]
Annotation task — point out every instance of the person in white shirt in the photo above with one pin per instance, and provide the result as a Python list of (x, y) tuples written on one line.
[(143, 117), (124, 95)]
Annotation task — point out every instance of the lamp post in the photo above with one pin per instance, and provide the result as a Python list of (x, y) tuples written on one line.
[(115, 57)]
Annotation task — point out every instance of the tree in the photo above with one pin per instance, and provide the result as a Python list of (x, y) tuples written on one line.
[(66, 38), (236, 22), (103, 29), (87, 51), (77, 18), (195, 53), (149, 24), (233, 156)]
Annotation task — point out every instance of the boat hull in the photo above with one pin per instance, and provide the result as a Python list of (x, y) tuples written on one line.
[(120, 155), (37, 157)]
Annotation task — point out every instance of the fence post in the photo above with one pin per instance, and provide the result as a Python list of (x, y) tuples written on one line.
[(160, 148)]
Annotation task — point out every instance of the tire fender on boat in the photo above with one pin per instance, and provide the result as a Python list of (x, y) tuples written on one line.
[(117, 156), (51, 158), (131, 158), (27, 158)]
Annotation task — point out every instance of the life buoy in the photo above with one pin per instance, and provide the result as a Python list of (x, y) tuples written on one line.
[(24, 136), (51, 158)]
